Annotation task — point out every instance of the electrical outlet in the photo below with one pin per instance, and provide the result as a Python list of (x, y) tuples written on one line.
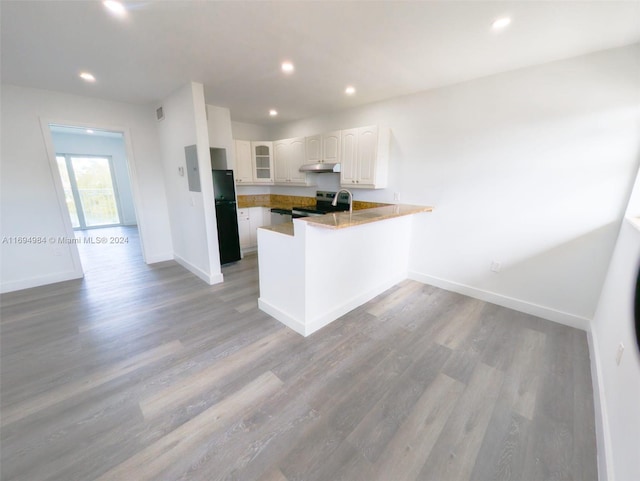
[(495, 266), (396, 196), (619, 352)]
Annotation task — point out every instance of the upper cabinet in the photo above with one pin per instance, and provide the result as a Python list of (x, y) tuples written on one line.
[(244, 169), (281, 161), (313, 149), (254, 162), (331, 146), (289, 155), (262, 162), (323, 148), (364, 157), (296, 159), (349, 156)]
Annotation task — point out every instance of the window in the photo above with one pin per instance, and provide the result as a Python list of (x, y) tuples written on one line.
[(90, 190)]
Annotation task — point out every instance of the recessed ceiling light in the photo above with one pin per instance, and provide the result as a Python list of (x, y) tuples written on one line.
[(115, 7), (273, 112), (87, 76), (287, 67), (350, 90), (500, 23), (89, 131)]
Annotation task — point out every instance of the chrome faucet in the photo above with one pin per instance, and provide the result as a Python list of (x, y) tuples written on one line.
[(334, 202)]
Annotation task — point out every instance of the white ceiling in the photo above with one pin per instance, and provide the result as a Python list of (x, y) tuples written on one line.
[(385, 48)]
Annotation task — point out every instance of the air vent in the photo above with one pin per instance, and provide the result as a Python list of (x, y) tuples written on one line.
[(160, 113)]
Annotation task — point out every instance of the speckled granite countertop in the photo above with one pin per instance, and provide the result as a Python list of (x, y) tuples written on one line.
[(279, 201), (341, 220)]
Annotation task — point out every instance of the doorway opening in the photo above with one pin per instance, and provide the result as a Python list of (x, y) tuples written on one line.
[(93, 168)]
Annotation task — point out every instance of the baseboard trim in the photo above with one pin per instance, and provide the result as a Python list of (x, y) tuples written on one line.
[(205, 276), (550, 314), (282, 316), (307, 328), (20, 285), (603, 434), (332, 315), (154, 259)]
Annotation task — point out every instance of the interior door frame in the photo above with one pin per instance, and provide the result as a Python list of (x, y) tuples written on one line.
[(45, 122)]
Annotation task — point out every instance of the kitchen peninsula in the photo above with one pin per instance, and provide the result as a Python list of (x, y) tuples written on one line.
[(316, 269)]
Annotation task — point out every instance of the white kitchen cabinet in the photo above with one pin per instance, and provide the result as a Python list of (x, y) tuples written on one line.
[(288, 156), (364, 157), (244, 228), (249, 220), (244, 165), (262, 157), (313, 149), (323, 148), (331, 146), (296, 159), (280, 161), (256, 220), (348, 156), (254, 163), (363, 154)]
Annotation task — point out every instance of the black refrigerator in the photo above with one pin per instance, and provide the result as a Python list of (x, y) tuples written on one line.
[(226, 215)]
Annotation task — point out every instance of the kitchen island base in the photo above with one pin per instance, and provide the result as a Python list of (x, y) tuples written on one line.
[(318, 274)]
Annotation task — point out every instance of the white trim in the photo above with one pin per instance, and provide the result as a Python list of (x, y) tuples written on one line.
[(548, 313), (62, 204), (205, 276), (282, 316), (167, 256), (308, 328), (131, 166), (40, 281), (336, 312), (135, 193), (603, 432)]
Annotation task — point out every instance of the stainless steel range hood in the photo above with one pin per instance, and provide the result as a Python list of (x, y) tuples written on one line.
[(320, 167)]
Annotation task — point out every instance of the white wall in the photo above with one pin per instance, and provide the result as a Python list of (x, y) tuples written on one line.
[(219, 128), (326, 181), (531, 168), (68, 143), (30, 204), (193, 221), (618, 387), (245, 131)]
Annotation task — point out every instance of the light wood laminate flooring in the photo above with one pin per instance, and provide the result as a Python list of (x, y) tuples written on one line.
[(144, 372)]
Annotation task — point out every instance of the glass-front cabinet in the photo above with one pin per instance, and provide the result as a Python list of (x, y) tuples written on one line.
[(254, 162), (262, 162)]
